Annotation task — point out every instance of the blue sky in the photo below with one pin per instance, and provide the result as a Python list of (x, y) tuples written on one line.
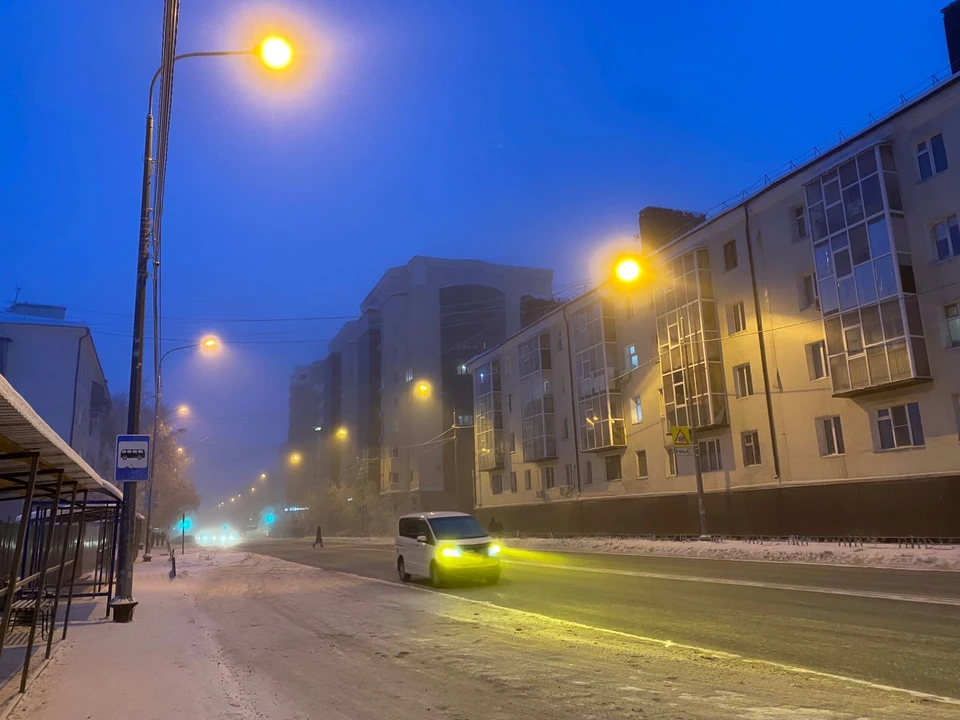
[(518, 131)]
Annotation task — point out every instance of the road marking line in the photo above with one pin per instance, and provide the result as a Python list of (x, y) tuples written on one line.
[(927, 600), (664, 643)]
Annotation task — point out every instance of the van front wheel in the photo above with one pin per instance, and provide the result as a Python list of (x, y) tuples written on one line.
[(436, 579)]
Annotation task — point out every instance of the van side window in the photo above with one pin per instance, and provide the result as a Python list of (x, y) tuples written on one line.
[(423, 529)]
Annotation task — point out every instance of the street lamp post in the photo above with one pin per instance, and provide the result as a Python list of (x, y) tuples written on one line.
[(276, 54), (208, 343)]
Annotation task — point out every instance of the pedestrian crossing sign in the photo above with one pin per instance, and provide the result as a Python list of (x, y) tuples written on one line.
[(681, 435)]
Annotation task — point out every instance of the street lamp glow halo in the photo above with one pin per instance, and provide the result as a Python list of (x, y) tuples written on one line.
[(627, 270), (275, 52)]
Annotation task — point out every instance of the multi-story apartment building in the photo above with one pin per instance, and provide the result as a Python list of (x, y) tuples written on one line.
[(396, 404), (810, 333), (53, 363)]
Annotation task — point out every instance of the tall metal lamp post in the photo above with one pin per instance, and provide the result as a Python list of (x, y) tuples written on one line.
[(276, 54)]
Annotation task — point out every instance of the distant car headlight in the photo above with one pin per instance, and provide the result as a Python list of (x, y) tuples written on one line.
[(493, 549), (450, 552)]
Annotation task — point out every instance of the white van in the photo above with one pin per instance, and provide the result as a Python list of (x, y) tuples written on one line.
[(445, 545)]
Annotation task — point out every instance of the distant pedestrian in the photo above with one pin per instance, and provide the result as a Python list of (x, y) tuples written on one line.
[(319, 538), (494, 527)]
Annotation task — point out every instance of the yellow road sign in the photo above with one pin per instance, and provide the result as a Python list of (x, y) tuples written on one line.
[(681, 435)]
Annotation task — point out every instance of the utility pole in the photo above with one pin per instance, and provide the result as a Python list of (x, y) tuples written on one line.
[(124, 604), (693, 430)]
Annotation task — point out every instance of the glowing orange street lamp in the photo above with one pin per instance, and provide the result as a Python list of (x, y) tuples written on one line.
[(627, 269), (275, 52)]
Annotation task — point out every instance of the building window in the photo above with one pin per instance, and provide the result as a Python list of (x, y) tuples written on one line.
[(830, 436), (743, 380), (613, 468), (409, 374), (808, 292), (559, 341), (589, 478), (730, 255), (931, 156), (800, 221), (513, 482), (710, 458), (633, 358), (4, 343), (461, 369), (394, 452), (629, 308), (510, 402), (946, 238), (900, 426), (548, 479), (412, 479), (637, 410), (513, 442), (817, 360), (464, 420), (566, 428), (671, 462), (568, 473), (642, 472), (394, 478), (751, 448), (509, 364), (496, 483), (736, 318), (956, 412), (527, 480), (951, 311)]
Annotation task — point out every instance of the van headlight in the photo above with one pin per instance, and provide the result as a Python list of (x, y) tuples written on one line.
[(450, 552), (493, 550)]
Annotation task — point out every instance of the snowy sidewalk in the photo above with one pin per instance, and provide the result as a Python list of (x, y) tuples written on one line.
[(159, 666)]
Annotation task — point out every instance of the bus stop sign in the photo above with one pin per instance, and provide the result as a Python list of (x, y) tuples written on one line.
[(133, 458)]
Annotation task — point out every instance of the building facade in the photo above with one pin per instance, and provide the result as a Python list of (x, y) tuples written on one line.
[(810, 334), (53, 363)]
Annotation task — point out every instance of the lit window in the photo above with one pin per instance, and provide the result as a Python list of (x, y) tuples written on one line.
[(730, 255), (751, 448), (800, 220), (931, 157), (900, 426), (710, 458), (642, 464), (743, 380), (736, 318), (830, 436), (946, 238), (952, 312), (633, 359), (461, 369), (637, 410), (671, 462), (409, 374)]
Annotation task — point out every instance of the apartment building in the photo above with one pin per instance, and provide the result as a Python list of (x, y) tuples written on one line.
[(395, 404), (53, 363), (811, 335)]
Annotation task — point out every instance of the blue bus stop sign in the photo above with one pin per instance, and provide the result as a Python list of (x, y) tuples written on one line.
[(133, 458)]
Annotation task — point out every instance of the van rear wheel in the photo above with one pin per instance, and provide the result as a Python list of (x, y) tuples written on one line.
[(402, 570)]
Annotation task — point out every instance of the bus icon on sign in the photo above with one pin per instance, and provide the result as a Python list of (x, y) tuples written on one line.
[(133, 458), (133, 454)]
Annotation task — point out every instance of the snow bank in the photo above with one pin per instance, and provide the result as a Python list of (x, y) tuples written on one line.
[(937, 557)]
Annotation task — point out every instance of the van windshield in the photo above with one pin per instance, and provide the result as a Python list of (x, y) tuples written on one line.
[(457, 527)]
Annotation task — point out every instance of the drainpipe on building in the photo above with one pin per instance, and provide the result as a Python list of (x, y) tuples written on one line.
[(763, 345), (573, 399)]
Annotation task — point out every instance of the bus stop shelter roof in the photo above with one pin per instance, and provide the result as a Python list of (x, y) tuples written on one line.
[(23, 430)]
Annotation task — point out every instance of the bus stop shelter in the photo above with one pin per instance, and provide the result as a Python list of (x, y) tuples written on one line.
[(63, 542)]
